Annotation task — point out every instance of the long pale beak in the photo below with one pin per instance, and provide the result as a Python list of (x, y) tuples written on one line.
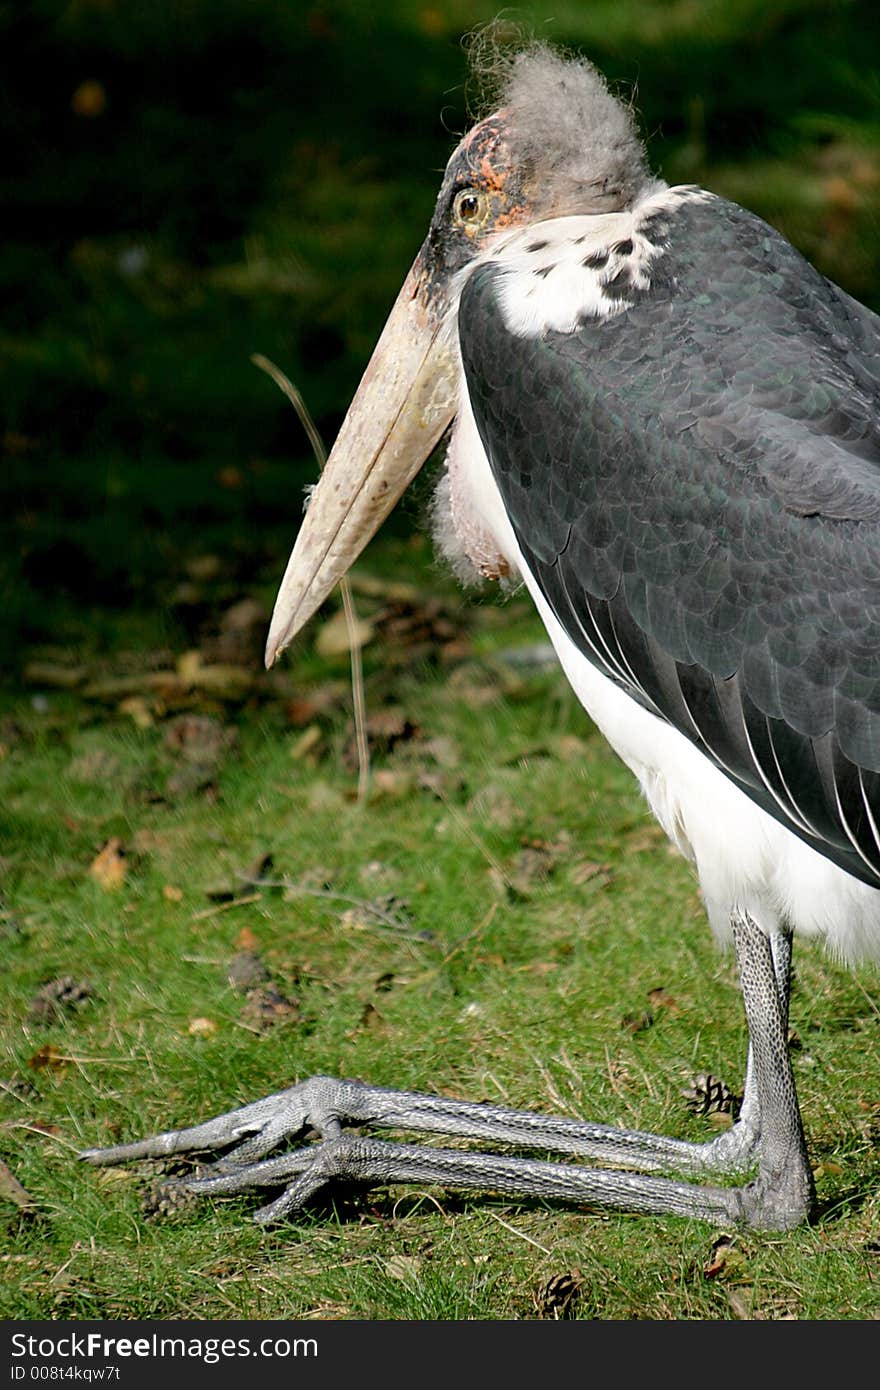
[(405, 401)]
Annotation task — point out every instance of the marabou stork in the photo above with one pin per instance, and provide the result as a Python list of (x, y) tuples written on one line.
[(664, 423)]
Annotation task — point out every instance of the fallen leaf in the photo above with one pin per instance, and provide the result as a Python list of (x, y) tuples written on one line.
[(257, 871), (377, 873), (238, 638), (726, 1258), (110, 866), (645, 838), (827, 1169), (204, 568), (403, 1266), (391, 782), (741, 1305), (230, 477), (138, 710), (320, 703), (387, 728), (49, 1057), (245, 970), (266, 1007), (371, 1018), (392, 590), (335, 637), (202, 1028), (660, 998), (189, 664), (164, 685), (587, 869), (11, 1189), (306, 743), (444, 751), (535, 863), (96, 766), (637, 1023), (198, 738), (55, 677), (89, 99), (171, 893)]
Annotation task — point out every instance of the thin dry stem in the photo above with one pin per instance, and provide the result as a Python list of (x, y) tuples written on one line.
[(357, 672)]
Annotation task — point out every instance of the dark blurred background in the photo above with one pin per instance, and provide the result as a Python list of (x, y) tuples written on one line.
[(186, 182)]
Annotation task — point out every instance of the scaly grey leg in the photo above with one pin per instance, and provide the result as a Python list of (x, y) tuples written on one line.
[(780, 1195)]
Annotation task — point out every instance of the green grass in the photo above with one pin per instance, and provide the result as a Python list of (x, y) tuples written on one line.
[(524, 998)]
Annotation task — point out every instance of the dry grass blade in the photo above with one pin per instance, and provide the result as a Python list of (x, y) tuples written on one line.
[(357, 675)]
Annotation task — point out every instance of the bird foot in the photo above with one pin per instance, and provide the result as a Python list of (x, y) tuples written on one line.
[(317, 1110)]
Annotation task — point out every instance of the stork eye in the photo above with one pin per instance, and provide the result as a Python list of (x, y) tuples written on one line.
[(470, 208)]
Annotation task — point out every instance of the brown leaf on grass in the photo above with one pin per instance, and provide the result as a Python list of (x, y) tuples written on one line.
[(421, 628), (171, 893), (535, 862), (247, 940), (238, 637), (827, 1169), (110, 866), (305, 746), (391, 782), (644, 838), (47, 1057), (387, 728), (442, 750), (322, 702), (245, 970), (257, 871), (389, 590), (726, 1258), (336, 638), (571, 749), (266, 1007), (139, 711), (198, 746), (46, 673), (221, 679), (199, 739), (742, 1305), (204, 568), (202, 1028), (377, 874), (637, 1023), (58, 997), (496, 807), (229, 477), (372, 1019), (660, 998), (504, 887), (11, 1189), (389, 910), (165, 686), (97, 767), (588, 871)]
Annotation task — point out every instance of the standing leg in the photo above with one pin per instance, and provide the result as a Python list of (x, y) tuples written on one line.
[(782, 1193)]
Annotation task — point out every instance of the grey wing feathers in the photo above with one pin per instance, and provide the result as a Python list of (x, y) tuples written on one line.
[(695, 483)]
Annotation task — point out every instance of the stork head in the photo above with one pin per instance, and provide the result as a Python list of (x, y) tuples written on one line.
[(559, 143)]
